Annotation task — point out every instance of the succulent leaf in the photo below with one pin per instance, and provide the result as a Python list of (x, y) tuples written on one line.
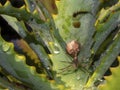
[(106, 60), (20, 13), (50, 5), (68, 32), (4, 85), (15, 65), (83, 15), (103, 28), (112, 80)]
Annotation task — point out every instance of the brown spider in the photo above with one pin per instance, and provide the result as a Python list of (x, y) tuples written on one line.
[(73, 49)]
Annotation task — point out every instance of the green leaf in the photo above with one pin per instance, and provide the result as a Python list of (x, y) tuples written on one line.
[(112, 80), (15, 64), (20, 13), (84, 15), (106, 23), (106, 60), (16, 25), (4, 84), (70, 12), (50, 5)]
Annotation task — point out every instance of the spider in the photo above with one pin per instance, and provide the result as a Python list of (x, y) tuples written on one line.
[(73, 49)]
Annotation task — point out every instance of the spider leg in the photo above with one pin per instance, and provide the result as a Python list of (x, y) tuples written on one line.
[(66, 62), (65, 69)]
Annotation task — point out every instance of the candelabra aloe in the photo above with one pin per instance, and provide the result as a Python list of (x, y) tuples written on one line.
[(59, 45)]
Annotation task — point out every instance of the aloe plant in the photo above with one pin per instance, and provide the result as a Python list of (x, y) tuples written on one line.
[(59, 45)]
